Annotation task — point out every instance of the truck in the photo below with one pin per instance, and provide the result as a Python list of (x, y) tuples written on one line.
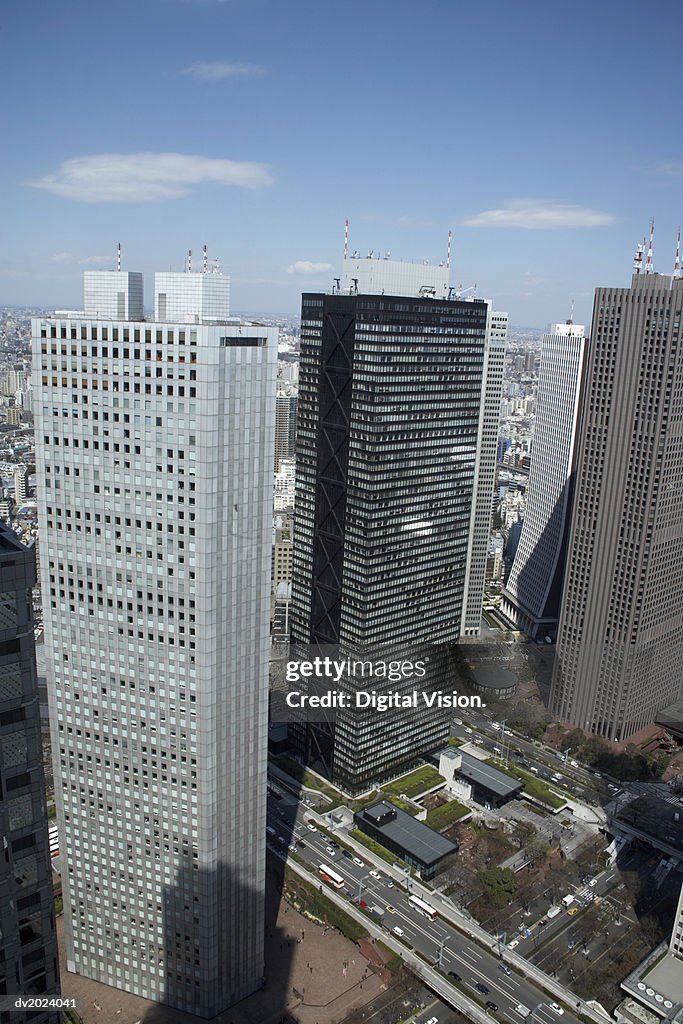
[(567, 901), (378, 913), (553, 912)]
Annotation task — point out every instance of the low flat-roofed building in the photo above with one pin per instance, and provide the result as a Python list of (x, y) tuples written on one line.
[(397, 831), (489, 785)]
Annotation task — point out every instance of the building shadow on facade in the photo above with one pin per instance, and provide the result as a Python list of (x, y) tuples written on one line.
[(202, 983)]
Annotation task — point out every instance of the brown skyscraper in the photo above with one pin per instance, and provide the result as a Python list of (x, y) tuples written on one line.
[(620, 640)]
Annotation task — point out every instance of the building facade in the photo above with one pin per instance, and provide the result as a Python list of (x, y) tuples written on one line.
[(28, 944), (389, 409), (531, 599), (620, 635), (154, 449), (480, 526)]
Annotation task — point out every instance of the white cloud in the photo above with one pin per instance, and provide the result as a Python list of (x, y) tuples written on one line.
[(216, 72), (671, 170), (306, 267), (96, 260), (146, 177), (60, 257), (539, 214)]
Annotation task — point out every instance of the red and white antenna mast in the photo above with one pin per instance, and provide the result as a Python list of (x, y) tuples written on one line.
[(189, 261), (678, 273), (649, 267), (346, 238), (205, 263), (448, 253), (118, 257)]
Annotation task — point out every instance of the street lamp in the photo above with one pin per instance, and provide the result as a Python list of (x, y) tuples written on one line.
[(360, 886)]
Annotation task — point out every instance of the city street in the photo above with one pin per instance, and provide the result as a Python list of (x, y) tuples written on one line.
[(440, 943)]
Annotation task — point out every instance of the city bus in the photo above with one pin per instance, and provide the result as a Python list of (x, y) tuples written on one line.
[(422, 907), (331, 876)]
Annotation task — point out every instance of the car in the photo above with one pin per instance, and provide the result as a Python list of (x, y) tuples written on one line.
[(481, 987), (433, 1020), (542, 923), (468, 731), (375, 874), (292, 847), (513, 944), (358, 861), (572, 911), (330, 850), (574, 764), (390, 909), (398, 931), (504, 968), (281, 840), (495, 725), (270, 830), (389, 884), (311, 827), (454, 975), (508, 732), (345, 853), (596, 775), (333, 844), (522, 1010), (593, 882), (558, 1009), (350, 893), (363, 903), (301, 844), (491, 1005)]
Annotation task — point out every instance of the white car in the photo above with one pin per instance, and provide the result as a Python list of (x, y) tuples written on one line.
[(311, 827), (558, 1009), (513, 944), (389, 884), (328, 849), (495, 725), (375, 874), (593, 882), (433, 1020), (359, 862), (398, 931), (574, 764), (468, 731)]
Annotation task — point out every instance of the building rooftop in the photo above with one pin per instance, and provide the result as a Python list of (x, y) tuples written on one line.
[(419, 841), (482, 774), (9, 542)]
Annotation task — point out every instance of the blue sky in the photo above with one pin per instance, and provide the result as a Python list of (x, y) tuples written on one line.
[(544, 135)]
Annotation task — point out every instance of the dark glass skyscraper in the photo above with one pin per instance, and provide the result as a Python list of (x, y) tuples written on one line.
[(28, 946), (390, 392)]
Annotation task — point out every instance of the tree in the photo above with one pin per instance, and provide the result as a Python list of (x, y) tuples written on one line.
[(500, 885)]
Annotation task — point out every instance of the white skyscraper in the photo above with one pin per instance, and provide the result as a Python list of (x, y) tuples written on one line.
[(532, 596), (154, 450), (485, 470)]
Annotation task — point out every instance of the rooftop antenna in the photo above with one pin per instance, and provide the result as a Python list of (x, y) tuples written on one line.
[(189, 261), (649, 268), (571, 315), (205, 260), (638, 258), (448, 257), (678, 273), (346, 238), (118, 256)]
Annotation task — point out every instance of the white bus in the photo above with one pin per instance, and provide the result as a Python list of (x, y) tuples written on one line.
[(331, 876), (423, 908)]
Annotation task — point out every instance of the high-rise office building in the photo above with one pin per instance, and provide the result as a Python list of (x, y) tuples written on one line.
[(531, 599), (390, 391), (154, 445), (485, 475), (285, 422), (28, 946), (620, 636)]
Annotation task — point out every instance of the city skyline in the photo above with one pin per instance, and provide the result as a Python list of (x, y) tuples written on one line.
[(213, 145)]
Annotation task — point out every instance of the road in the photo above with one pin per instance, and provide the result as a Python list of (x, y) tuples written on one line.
[(439, 943)]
